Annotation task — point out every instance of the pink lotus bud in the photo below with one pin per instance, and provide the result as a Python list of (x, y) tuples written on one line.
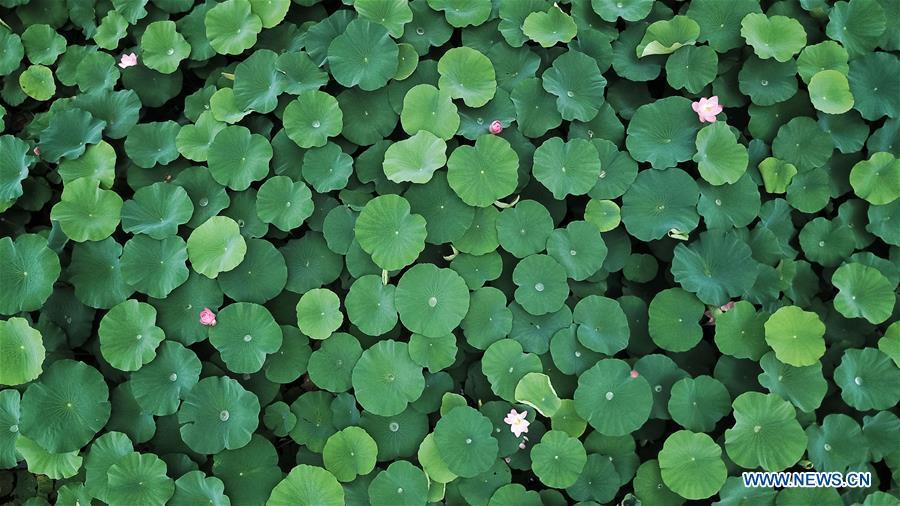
[(207, 317), (128, 60), (634, 374), (496, 127)]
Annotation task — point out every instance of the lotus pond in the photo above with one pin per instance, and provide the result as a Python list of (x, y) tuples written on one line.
[(480, 252)]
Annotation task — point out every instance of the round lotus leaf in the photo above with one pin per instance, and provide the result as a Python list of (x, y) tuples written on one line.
[(649, 486), (691, 465), (434, 353), (159, 385), (431, 301), (717, 267), (827, 55), (776, 174), (674, 323), (796, 336), (86, 212), (319, 313), (579, 248), (740, 332), (257, 83), (720, 158), (157, 210), (139, 478), (868, 379), (864, 292), (363, 55), (617, 171), (430, 109), (393, 15), (567, 168), (22, 351), (154, 267), (370, 305), (857, 25), (467, 74), (602, 325), (55, 466), (244, 334), (697, 404), (217, 413), (237, 158), (628, 10), (64, 409), (415, 159), (536, 390), (558, 459), (766, 433), (692, 68), (663, 132), (536, 111), (28, 270), (667, 36), (504, 364), (194, 487), (488, 319), (465, 443), (523, 230), (483, 173), (129, 335), (802, 143), (152, 144), (37, 82), (307, 485), (401, 483), (659, 202), (68, 134), (611, 400), (327, 168), (549, 28), (162, 47), (827, 243), (284, 203), (312, 118), (388, 231), (836, 444), (874, 85), (889, 343), (216, 246), (805, 387), (778, 37), (829, 92), (877, 180), (385, 379), (13, 169), (542, 284), (350, 453), (231, 26), (331, 366), (576, 81), (768, 82)]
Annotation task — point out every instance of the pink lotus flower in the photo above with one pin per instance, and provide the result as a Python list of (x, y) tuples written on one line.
[(634, 374), (496, 127), (207, 317), (128, 60), (517, 422), (707, 109), (711, 316), (37, 151)]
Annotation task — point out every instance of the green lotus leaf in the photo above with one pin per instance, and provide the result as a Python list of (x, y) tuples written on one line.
[(431, 301), (465, 443), (829, 92), (666, 36), (817, 146), (720, 158), (836, 444), (327, 168), (401, 483), (674, 322), (13, 53), (231, 26), (55, 466), (319, 313), (86, 212), (483, 173), (768, 82), (331, 366), (663, 132), (162, 47), (558, 459), (776, 174), (97, 162), (349, 453), (717, 267), (428, 108), (159, 385), (257, 82), (393, 14), (14, 163), (766, 433), (28, 269), (68, 134), (599, 481), (504, 365), (828, 55), (826, 243), (194, 487), (245, 333), (579, 248), (64, 409), (216, 246), (611, 400), (312, 118), (542, 284), (467, 74), (536, 111), (22, 351), (778, 37), (566, 168), (874, 83), (157, 210), (602, 325), (692, 68), (488, 319), (796, 336), (691, 465), (868, 379), (523, 230), (649, 486), (462, 13), (720, 22), (549, 28), (863, 293), (363, 55), (218, 413), (415, 159), (697, 404), (576, 81), (653, 208), (284, 203), (536, 390), (307, 486), (370, 115), (877, 180), (37, 82), (370, 305), (857, 25), (151, 144), (129, 336), (805, 387), (139, 478), (237, 158), (385, 379), (9, 427), (740, 332), (889, 343), (388, 231), (155, 267)]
